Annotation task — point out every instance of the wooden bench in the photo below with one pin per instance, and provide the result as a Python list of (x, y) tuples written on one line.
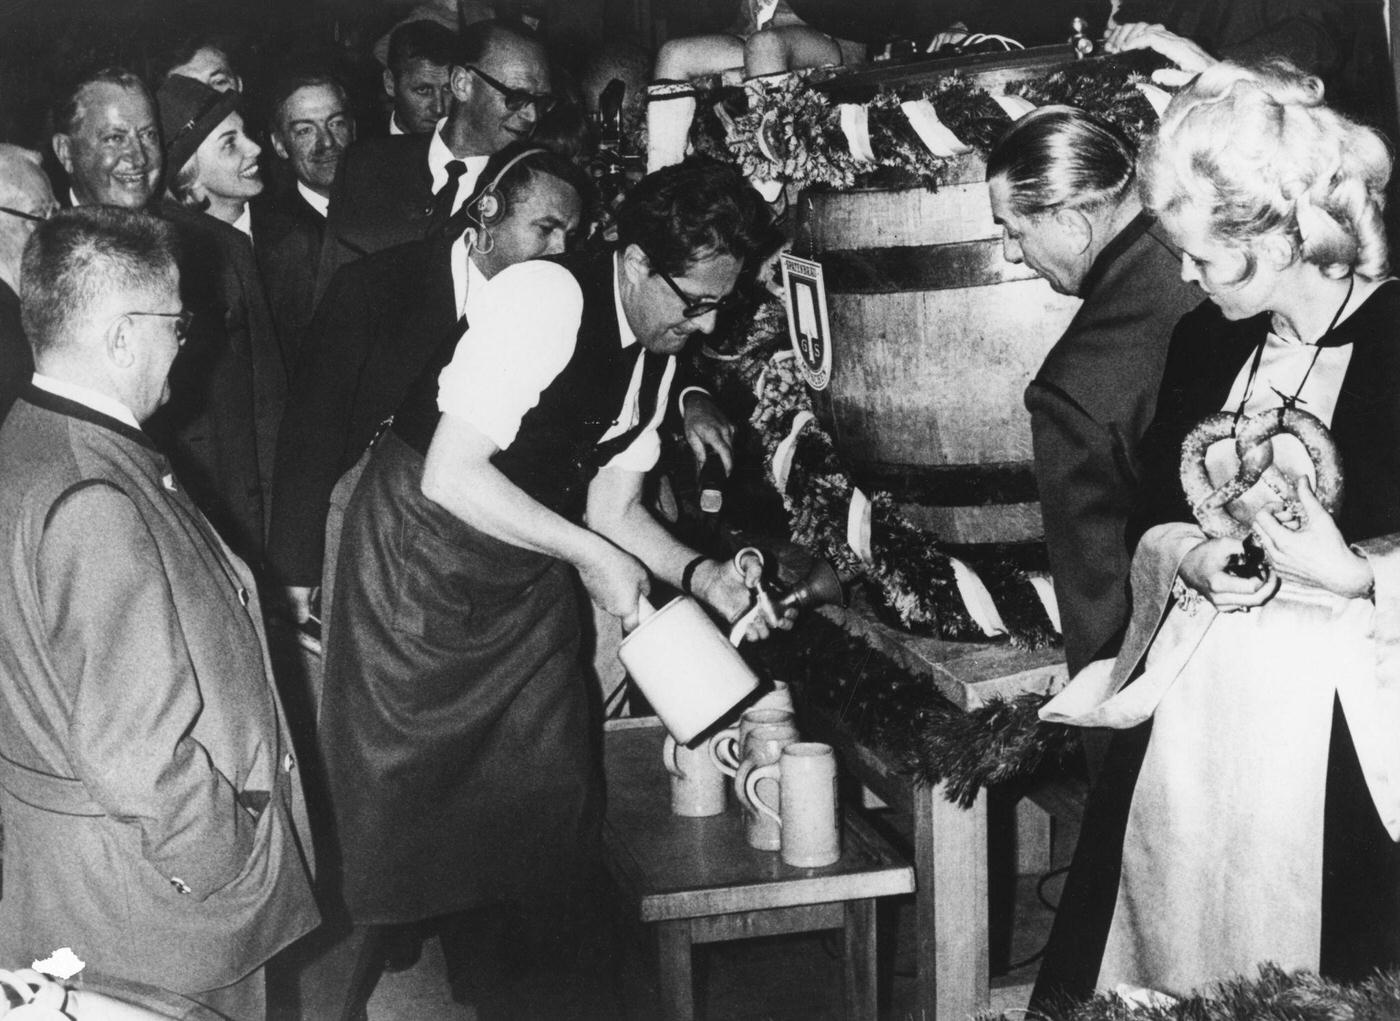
[(697, 880)]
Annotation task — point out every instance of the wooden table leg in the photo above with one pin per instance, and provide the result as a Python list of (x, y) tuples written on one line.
[(861, 990), (673, 960), (950, 866)]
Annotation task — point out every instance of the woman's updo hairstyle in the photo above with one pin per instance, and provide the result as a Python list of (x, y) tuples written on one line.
[(1255, 150)]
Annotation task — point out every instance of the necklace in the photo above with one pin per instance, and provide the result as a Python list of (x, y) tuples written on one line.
[(1289, 403)]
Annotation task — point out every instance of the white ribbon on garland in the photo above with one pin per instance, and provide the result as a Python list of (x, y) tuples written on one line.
[(977, 599), (1014, 107), (855, 125), (1045, 590), (858, 526), (935, 135), (783, 452)]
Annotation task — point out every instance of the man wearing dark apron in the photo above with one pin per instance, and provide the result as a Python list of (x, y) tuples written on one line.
[(455, 724)]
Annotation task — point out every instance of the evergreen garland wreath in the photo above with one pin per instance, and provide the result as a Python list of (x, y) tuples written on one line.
[(906, 718), (789, 131), (1109, 91), (910, 575), (1275, 995)]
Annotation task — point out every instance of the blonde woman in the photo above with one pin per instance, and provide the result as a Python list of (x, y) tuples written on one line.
[(1250, 806), (229, 383)]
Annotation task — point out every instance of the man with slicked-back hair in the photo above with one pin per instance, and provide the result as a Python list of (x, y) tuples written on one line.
[(1063, 189)]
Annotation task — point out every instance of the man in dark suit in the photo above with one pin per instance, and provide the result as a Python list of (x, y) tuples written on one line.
[(420, 58), (393, 190), (1096, 392), (25, 199), (154, 819), (107, 141), (311, 127)]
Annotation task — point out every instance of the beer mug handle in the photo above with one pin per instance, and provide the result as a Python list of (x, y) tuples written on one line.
[(724, 751), (668, 758), (750, 795)]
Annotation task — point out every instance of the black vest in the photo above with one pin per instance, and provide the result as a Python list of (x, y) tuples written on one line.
[(557, 450)]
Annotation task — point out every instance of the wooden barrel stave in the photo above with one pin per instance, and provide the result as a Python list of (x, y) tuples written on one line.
[(934, 339)]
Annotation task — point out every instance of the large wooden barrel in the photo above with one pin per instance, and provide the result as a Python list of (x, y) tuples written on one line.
[(934, 337)]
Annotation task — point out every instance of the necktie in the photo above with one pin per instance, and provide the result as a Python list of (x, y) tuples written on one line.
[(648, 396), (447, 194)]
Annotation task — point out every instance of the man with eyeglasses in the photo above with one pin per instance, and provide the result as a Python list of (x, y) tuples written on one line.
[(154, 819), (462, 668), (25, 201), (394, 190)]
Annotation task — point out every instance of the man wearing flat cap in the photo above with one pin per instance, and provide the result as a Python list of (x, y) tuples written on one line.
[(229, 383), (154, 820)]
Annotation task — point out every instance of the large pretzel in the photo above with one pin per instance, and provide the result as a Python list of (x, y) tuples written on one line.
[(1253, 445)]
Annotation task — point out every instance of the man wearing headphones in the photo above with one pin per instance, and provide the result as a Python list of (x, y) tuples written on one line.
[(388, 322), (382, 319), (456, 731)]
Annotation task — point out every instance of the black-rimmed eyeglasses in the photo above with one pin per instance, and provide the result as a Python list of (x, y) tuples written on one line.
[(696, 307), (183, 319), (517, 99), (35, 217)]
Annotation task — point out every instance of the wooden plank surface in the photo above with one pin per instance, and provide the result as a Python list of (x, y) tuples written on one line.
[(677, 867), (768, 922), (966, 673)]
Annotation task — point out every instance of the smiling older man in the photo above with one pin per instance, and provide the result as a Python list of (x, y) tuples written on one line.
[(107, 141)]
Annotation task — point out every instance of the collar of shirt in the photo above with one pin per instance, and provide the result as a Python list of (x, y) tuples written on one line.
[(315, 200), (245, 221), (624, 328), (394, 128), (88, 398), (467, 280), (439, 155), (73, 198)]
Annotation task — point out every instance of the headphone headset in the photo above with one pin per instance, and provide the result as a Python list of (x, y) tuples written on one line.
[(490, 207)]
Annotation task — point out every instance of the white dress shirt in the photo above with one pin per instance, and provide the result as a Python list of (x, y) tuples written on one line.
[(314, 199), (88, 398), (439, 155), (245, 222), (523, 333)]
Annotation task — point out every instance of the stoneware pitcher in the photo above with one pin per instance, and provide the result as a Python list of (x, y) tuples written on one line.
[(686, 668)]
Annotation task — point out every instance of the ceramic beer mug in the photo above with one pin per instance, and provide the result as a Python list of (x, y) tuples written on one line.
[(727, 747), (806, 811), (762, 746), (697, 787)]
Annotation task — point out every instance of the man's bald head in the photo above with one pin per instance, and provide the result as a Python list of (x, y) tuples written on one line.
[(23, 189)]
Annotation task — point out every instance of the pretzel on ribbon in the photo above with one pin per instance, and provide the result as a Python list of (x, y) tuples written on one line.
[(1253, 437)]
